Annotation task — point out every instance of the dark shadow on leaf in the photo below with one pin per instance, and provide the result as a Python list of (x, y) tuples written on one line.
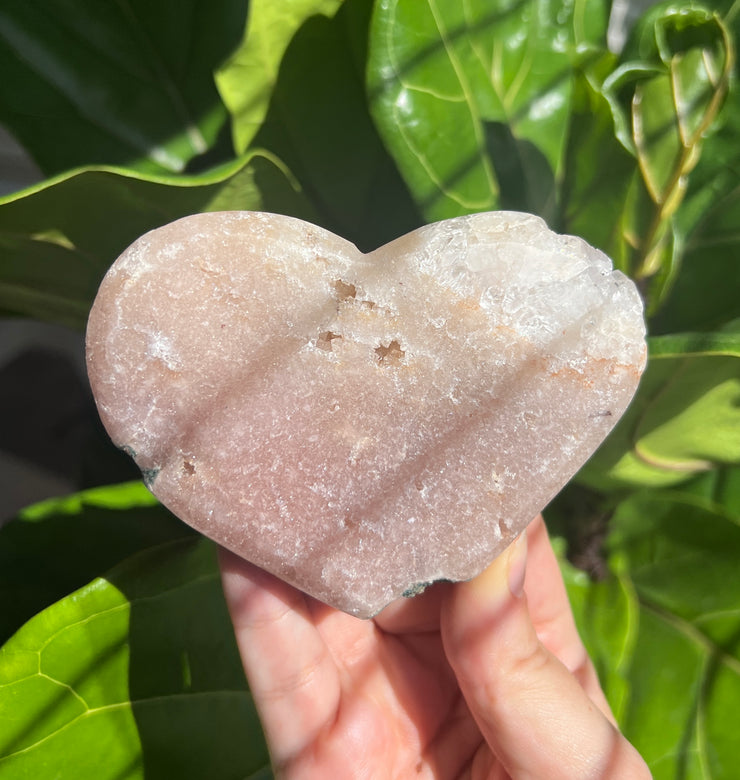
[(50, 422), (706, 294), (321, 128), (526, 180), (593, 194), (195, 716), (220, 152), (186, 685), (67, 550), (524, 177), (537, 190), (581, 516), (127, 84)]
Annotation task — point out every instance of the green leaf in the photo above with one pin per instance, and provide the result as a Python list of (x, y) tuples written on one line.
[(675, 631), (321, 128), (473, 99), (58, 239), (607, 613), (91, 83), (706, 293), (135, 675), (688, 56), (59, 545), (247, 79), (595, 194), (684, 419), (665, 98), (717, 490)]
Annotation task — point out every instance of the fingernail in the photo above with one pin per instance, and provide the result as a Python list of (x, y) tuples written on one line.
[(504, 577), (517, 565)]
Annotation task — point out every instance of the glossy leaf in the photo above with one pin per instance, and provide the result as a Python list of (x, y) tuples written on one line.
[(58, 239), (594, 195), (665, 98), (319, 125), (717, 490), (481, 104), (59, 545), (684, 419), (706, 292), (473, 99), (607, 613), (674, 637), (247, 79), (91, 83), (135, 675)]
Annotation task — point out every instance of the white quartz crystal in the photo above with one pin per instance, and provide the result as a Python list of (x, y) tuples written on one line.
[(362, 424)]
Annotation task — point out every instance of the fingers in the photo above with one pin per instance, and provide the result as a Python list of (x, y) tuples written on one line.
[(531, 710), (291, 674), (417, 615)]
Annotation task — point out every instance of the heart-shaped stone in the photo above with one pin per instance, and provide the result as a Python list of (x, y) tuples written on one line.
[(358, 424)]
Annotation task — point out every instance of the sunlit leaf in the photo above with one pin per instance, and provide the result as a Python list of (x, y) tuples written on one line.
[(91, 83), (480, 104), (684, 419), (607, 612), (247, 79), (473, 98), (665, 97), (717, 490), (674, 639), (58, 239), (135, 675), (706, 292)]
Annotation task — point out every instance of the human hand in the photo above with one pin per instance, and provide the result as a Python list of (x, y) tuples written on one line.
[(477, 679)]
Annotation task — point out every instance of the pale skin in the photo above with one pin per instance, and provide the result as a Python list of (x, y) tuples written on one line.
[(486, 679)]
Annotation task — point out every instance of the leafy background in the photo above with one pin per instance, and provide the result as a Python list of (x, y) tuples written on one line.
[(370, 118)]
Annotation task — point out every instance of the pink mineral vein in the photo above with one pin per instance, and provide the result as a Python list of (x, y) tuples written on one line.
[(362, 424)]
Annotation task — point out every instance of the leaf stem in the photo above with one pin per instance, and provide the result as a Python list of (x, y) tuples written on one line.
[(667, 201)]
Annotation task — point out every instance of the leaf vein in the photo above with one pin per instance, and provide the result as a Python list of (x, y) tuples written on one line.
[(96, 711)]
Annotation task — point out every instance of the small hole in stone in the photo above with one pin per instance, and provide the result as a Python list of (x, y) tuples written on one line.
[(390, 355), (418, 484), (325, 339), (369, 304), (188, 468), (344, 291)]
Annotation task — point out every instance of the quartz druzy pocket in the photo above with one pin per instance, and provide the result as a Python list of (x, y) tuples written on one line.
[(361, 425)]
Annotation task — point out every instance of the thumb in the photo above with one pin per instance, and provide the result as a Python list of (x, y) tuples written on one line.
[(532, 712)]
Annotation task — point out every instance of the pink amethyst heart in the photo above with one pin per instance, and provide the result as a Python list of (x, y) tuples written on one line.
[(361, 425)]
